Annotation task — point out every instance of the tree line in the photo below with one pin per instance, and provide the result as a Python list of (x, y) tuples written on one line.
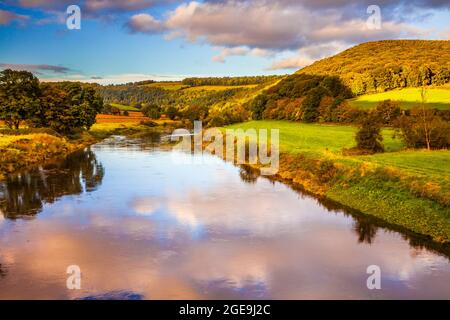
[(229, 81), (63, 106)]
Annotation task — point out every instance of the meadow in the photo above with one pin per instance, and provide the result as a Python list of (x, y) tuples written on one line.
[(408, 188), (122, 107), (408, 98)]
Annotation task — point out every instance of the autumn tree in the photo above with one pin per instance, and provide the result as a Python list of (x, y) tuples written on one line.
[(66, 106)]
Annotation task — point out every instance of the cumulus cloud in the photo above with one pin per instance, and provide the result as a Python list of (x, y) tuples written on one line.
[(243, 27), (240, 51), (277, 25), (7, 17), (144, 23), (92, 5)]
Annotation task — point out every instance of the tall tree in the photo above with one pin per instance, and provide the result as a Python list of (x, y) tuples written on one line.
[(425, 115), (19, 96)]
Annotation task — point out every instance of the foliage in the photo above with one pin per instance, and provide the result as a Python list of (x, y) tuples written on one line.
[(19, 96), (228, 81), (257, 106), (369, 136), (387, 112), (386, 65), (66, 106), (299, 97), (152, 111), (414, 133)]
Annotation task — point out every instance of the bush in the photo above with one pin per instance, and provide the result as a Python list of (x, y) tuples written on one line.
[(387, 112), (413, 129), (258, 106), (152, 111), (369, 135), (345, 113)]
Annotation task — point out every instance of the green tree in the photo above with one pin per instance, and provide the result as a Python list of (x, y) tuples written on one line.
[(19, 96), (152, 111), (67, 106), (311, 104), (258, 106), (387, 112), (369, 136)]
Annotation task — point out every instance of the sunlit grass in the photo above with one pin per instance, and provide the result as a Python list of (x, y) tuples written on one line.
[(408, 98), (320, 139)]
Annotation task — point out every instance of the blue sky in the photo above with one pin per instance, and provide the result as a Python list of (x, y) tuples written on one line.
[(121, 41)]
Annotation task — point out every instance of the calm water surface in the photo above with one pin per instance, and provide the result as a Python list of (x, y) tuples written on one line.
[(143, 227)]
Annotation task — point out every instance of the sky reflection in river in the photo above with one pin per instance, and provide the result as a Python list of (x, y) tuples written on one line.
[(150, 229)]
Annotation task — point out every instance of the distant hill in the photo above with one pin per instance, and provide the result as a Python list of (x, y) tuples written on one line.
[(384, 65)]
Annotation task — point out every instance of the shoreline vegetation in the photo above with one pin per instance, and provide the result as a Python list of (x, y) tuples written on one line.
[(408, 188), (27, 147)]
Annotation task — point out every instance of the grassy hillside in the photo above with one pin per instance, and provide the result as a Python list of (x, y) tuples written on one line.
[(122, 107), (408, 98), (386, 65)]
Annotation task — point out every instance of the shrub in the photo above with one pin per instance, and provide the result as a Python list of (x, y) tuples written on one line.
[(387, 112), (258, 106), (369, 135), (419, 125), (152, 111)]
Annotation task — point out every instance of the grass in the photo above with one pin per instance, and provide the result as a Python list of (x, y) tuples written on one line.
[(122, 107), (170, 85), (316, 139), (408, 98), (408, 188)]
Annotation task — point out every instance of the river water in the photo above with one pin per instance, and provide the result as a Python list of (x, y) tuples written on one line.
[(140, 225)]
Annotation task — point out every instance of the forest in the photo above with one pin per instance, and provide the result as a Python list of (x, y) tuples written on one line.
[(385, 65)]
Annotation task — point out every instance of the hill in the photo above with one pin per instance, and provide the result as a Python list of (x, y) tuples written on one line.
[(385, 65)]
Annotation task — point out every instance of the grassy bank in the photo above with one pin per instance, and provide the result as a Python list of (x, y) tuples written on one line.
[(409, 188), (27, 147)]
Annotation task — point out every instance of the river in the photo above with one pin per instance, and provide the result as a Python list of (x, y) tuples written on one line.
[(140, 226)]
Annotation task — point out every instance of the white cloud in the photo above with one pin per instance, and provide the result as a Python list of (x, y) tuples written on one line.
[(240, 51), (144, 23)]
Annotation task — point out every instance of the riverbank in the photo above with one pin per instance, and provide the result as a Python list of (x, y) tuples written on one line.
[(408, 188), (27, 147)]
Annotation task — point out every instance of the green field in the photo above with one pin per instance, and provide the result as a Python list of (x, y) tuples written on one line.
[(318, 139), (169, 85), (298, 137), (408, 188), (122, 107), (408, 98)]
